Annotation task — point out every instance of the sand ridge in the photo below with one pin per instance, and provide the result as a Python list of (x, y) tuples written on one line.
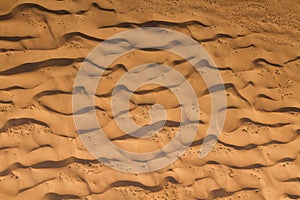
[(255, 45)]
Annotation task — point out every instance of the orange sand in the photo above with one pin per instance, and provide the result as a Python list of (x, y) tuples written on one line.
[(255, 44)]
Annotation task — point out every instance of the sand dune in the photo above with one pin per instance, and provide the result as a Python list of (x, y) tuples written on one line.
[(255, 45)]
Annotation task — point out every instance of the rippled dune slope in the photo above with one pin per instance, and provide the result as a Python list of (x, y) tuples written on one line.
[(255, 45)]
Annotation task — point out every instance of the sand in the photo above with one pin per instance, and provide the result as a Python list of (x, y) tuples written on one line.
[(255, 45)]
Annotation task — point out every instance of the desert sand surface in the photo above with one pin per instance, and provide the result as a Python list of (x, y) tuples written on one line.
[(255, 45)]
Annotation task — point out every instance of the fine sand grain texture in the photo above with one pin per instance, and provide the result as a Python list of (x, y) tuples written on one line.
[(256, 46)]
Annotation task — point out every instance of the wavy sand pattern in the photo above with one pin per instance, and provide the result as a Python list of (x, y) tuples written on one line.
[(255, 44)]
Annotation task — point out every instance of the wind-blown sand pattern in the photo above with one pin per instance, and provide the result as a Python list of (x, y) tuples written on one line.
[(255, 45)]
